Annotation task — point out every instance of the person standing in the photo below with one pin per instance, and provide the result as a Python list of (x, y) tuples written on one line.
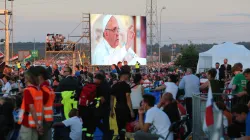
[(48, 43), (125, 67), (137, 67), (119, 67), (68, 83), (49, 97), (247, 76), (103, 91), (48, 69), (191, 85), (2, 64), (217, 68), (225, 70), (137, 93), (239, 84), (113, 69), (27, 65), (30, 114), (55, 75), (123, 109)]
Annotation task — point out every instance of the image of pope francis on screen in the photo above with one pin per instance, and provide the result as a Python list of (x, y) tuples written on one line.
[(118, 38)]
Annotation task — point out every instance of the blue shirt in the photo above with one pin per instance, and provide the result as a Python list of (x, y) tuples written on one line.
[(114, 71), (248, 124), (77, 73), (190, 84)]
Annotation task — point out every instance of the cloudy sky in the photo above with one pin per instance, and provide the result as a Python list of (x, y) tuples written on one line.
[(200, 21)]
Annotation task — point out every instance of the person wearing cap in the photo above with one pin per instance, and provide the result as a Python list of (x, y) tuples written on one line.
[(108, 51)]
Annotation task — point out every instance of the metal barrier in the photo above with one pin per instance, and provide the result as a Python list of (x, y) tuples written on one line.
[(198, 108), (198, 112)]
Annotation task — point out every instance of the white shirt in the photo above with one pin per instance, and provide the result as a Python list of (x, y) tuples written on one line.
[(75, 124), (190, 84), (14, 85), (217, 74), (106, 55), (136, 96), (6, 88), (171, 88), (147, 83), (160, 123)]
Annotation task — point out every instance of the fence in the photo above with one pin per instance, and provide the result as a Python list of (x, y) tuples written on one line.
[(199, 108)]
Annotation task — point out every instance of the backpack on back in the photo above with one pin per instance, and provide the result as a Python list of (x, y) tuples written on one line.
[(87, 95)]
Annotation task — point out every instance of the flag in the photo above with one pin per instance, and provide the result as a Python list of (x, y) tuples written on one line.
[(15, 57), (209, 116), (1, 55), (28, 56)]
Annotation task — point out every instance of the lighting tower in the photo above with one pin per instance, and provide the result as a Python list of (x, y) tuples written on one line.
[(152, 30)]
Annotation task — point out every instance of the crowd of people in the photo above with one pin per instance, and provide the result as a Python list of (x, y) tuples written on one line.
[(54, 43), (90, 98)]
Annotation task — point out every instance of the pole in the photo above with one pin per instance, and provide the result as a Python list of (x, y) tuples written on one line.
[(34, 47), (160, 38), (7, 47), (172, 49), (74, 61), (12, 25), (160, 41), (151, 31), (5, 4)]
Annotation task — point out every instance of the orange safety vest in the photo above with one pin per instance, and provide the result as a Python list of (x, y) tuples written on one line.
[(37, 96), (48, 107)]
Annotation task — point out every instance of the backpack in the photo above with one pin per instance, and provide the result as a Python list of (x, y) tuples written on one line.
[(87, 95)]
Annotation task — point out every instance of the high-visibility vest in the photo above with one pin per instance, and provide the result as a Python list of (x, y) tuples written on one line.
[(48, 107), (37, 96), (18, 65), (67, 102), (137, 66)]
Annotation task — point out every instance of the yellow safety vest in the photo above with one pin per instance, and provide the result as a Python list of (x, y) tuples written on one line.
[(18, 65), (137, 66), (68, 102)]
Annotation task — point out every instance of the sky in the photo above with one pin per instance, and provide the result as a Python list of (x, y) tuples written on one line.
[(200, 21)]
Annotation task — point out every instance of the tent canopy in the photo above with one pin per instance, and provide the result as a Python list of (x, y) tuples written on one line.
[(233, 52)]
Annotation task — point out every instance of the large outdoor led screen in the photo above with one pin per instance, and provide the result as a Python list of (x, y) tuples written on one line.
[(117, 38)]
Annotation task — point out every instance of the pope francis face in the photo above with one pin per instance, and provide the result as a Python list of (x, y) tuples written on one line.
[(111, 33)]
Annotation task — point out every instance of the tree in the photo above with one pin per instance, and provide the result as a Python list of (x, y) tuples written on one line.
[(188, 58)]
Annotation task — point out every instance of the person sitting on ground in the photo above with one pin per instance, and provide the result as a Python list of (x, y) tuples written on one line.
[(75, 124), (226, 112), (170, 107), (242, 114), (157, 123)]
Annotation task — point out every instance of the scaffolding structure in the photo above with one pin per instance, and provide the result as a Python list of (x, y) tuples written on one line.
[(7, 14), (74, 52), (152, 25)]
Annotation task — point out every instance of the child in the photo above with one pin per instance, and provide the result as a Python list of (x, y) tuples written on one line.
[(75, 124)]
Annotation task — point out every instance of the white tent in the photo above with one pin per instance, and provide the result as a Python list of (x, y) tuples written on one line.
[(233, 52)]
